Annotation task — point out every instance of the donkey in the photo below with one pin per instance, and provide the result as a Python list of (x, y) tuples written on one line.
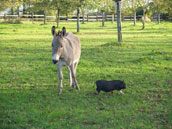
[(66, 51)]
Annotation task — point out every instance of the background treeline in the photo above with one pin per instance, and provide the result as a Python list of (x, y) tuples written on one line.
[(161, 9)]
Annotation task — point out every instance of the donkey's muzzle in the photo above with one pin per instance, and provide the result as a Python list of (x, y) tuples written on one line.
[(55, 61)]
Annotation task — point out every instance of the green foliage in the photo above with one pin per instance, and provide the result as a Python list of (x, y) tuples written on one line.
[(43, 5), (130, 6), (3, 5), (29, 79), (105, 5), (169, 2), (160, 6)]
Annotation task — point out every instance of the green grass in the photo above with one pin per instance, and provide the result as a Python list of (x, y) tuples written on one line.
[(29, 80)]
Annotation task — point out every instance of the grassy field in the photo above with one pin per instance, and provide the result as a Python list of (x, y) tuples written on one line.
[(29, 79)]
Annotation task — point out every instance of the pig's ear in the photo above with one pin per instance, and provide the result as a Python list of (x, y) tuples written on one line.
[(53, 30)]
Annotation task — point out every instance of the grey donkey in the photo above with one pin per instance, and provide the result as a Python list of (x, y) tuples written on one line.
[(66, 51)]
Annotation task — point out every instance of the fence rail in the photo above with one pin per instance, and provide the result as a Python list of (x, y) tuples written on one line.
[(68, 18), (63, 18)]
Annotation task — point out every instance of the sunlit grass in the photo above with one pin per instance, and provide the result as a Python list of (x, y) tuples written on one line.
[(29, 80)]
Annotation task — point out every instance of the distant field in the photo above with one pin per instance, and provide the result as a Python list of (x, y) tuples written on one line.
[(29, 80)]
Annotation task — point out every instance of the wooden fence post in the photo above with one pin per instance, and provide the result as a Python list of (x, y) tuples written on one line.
[(5, 17), (87, 17), (119, 20), (78, 19)]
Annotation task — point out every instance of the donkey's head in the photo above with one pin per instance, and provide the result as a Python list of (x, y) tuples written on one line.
[(57, 45)]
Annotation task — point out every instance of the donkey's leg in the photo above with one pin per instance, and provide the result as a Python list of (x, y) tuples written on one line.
[(75, 67), (73, 81), (60, 76), (75, 84), (70, 76)]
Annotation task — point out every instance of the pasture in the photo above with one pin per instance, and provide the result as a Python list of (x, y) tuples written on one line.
[(29, 79)]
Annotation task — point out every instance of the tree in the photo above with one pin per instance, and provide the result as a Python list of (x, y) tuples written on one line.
[(55, 5), (78, 4), (62, 6), (131, 5), (105, 6), (12, 4), (29, 5), (68, 7), (87, 5), (4, 5), (119, 21), (44, 6), (144, 4), (58, 6), (169, 8), (160, 6), (113, 11)]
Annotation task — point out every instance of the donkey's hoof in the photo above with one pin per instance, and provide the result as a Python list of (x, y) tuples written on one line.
[(60, 91), (73, 86), (77, 88)]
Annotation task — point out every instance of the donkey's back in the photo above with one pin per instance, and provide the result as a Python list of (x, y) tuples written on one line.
[(73, 45)]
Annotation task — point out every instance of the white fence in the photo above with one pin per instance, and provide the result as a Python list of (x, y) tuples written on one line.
[(63, 18)]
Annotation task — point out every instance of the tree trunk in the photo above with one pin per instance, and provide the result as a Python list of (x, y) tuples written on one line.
[(96, 16), (119, 21), (24, 8), (159, 18), (112, 18), (103, 19), (32, 17), (18, 13), (143, 20), (105, 16), (83, 18), (45, 14), (134, 18), (66, 16), (5, 17), (77, 20), (12, 11), (58, 17), (122, 17), (87, 16), (29, 6)]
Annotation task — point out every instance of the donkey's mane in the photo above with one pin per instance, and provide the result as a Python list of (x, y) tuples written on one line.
[(59, 33)]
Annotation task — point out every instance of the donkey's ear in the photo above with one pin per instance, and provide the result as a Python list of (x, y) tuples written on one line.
[(64, 31), (53, 30)]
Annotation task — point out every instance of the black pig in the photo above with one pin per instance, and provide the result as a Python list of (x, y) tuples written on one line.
[(108, 86)]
